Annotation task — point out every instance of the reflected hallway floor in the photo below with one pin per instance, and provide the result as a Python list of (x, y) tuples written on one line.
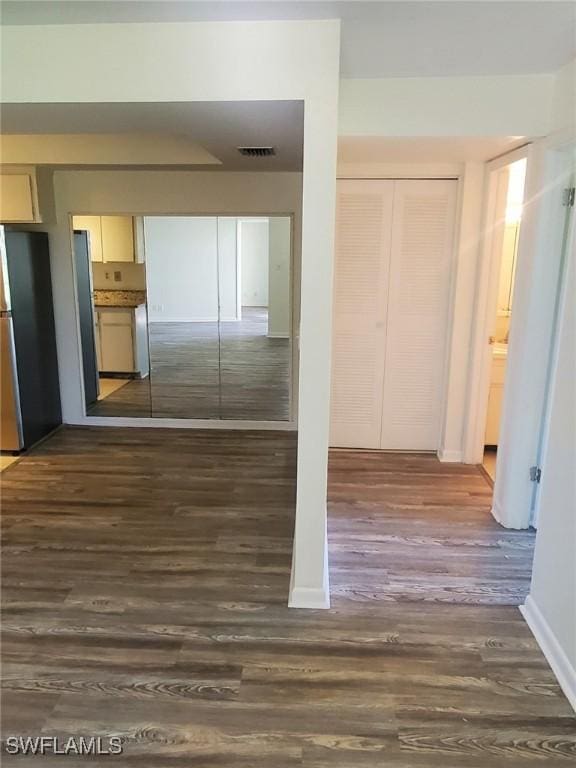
[(231, 370)]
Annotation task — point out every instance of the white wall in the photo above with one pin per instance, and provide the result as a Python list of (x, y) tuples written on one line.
[(181, 268), (551, 607), (253, 243), (279, 247), (564, 100), (447, 106)]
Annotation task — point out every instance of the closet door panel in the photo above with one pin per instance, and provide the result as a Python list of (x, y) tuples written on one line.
[(362, 261), (420, 274)]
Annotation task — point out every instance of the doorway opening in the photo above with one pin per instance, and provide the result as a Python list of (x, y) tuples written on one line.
[(510, 182)]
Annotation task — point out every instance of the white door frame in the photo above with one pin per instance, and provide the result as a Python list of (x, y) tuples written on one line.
[(486, 303), (535, 291)]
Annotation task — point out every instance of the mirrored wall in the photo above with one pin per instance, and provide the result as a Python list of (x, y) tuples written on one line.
[(185, 317)]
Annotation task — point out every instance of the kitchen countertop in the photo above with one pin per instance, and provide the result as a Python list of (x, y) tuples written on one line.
[(122, 299)]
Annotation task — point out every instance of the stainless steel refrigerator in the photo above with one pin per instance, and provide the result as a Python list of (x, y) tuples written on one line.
[(30, 391)]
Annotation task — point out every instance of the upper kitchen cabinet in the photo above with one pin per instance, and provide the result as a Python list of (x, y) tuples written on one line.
[(92, 225), (111, 237), (17, 198), (117, 238)]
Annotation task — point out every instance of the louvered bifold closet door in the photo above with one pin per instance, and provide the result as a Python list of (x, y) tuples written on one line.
[(362, 263), (418, 310)]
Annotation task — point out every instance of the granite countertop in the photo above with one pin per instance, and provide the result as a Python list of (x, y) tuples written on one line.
[(123, 299)]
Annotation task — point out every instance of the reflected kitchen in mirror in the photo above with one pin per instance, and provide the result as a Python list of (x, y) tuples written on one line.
[(112, 312), (185, 317)]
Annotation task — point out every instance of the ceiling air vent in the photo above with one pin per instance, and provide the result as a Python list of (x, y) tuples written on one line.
[(257, 151)]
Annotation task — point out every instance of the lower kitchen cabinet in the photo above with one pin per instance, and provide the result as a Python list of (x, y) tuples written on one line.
[(122, 341)]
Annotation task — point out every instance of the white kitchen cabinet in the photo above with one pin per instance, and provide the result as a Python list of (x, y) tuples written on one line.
[(92, 225), (116, 341), (17, 198), (117, 238), (122, 343), (394, 251), (111, 237)]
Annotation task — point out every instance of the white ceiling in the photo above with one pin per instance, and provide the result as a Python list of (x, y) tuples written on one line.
[(379, 39), (456, 149), (219, 127)]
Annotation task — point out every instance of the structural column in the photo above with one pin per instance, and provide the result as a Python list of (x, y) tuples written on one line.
[(310, 584)]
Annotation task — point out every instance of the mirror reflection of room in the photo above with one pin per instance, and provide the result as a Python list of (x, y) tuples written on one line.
[(196, 325), (111, 291), (255, 341), (219, 316)]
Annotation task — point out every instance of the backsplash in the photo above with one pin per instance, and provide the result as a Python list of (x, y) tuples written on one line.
[(105, 276)]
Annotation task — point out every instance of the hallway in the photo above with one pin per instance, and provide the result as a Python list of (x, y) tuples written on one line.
[(145, 578), (405, 527)]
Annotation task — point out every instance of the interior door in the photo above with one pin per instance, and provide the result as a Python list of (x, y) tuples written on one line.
[(419, 297), (362, 266), (559, 393)]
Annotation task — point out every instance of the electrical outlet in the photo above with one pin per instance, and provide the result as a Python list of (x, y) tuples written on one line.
[(118, 276)]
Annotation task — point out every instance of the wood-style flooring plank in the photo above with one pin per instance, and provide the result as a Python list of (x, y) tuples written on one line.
[(145, 581)]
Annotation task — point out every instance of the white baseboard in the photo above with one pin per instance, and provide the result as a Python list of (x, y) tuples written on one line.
[(161, 423), (450, 456), (278, 335), (497, 512), (550, 647), (311, 597), (500, 517), (180, 319)]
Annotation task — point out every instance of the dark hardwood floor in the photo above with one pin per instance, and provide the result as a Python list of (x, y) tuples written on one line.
[(227, 370), (145, 578), (406, 527)]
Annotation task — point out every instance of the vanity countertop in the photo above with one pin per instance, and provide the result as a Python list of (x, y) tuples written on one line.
[(123, 299), (500, 350)]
